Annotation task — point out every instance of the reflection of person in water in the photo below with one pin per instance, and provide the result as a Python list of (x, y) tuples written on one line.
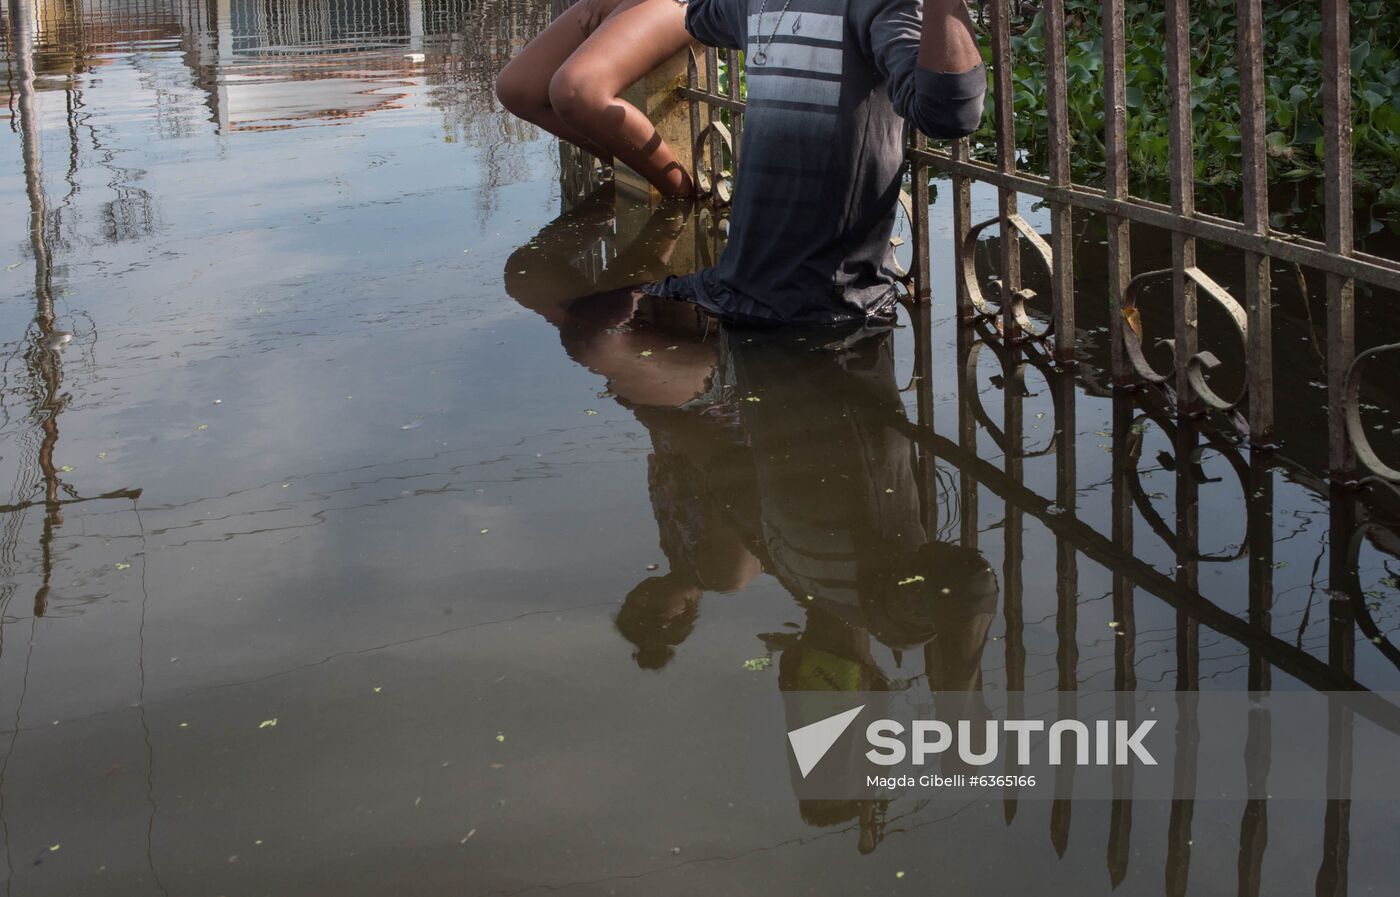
[(776, 451)]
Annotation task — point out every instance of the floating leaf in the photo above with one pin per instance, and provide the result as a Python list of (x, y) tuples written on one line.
[(67, 468), (500, 736), (268, 723), (758, 664), (909, 580), (123, 565), (646, 353), (589, 411), (202, 427)]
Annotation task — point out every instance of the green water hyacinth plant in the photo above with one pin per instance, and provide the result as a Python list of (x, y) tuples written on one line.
[(1294, 77)]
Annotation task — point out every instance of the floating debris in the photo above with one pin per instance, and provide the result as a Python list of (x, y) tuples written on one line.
[(67, 468), (202, 427), (589, 411), (415, 57), (55, 341), (646, 353), (484, 531), (268, 723), (500, 736), (122, 565), (468, 837), (910, 580), (758, 664)]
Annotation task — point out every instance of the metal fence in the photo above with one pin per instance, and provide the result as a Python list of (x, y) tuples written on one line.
[(1187, 384)]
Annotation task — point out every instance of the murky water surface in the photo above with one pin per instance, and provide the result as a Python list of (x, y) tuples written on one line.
[(344, 554)]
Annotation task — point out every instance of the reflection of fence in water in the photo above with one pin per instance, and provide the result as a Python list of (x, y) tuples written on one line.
[(1134, 415)]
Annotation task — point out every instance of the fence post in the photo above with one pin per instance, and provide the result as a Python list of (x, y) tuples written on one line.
[(1258, 298), (1115, 139), (1061, 214), (1005, 96), (1341, 291), (1183, 189)]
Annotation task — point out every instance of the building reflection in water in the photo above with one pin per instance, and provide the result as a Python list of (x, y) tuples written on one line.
[(291, 63), (796, 456)]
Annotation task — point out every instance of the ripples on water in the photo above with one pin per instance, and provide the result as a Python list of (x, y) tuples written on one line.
[(326, 445)]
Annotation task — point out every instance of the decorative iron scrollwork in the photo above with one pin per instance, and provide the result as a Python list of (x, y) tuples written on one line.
[(1356, 432), (710, 181), (1199, 364), (1018, 298), (906, 203)]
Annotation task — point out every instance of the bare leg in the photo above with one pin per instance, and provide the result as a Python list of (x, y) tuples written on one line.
[(523, 85), (569, 85), (635, 39)]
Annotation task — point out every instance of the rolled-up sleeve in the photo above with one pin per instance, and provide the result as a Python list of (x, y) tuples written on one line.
[(940, 104), (716, 23)]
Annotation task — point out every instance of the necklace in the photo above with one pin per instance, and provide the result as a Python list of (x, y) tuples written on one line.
[(760, 53)]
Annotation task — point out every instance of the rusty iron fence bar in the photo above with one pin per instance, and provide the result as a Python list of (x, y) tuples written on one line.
[(1182, 170), (1341, 290), (1254, 160), (1115, 139), (1005, 121), (1061, 214)]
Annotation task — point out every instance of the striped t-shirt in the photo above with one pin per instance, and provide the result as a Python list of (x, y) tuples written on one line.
[(830, 84)]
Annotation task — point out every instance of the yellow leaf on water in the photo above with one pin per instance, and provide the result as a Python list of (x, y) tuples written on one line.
[(1133, 319)]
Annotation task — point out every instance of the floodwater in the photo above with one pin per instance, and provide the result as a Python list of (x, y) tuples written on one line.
[(344, 555)]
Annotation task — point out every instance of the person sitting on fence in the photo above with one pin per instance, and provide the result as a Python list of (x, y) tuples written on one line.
[(568, 80), (830, 85)]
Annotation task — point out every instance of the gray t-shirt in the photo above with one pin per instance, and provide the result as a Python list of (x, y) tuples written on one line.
[(819, 171)]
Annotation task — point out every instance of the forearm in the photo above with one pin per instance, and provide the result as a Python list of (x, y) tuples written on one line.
[(948, 43)]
